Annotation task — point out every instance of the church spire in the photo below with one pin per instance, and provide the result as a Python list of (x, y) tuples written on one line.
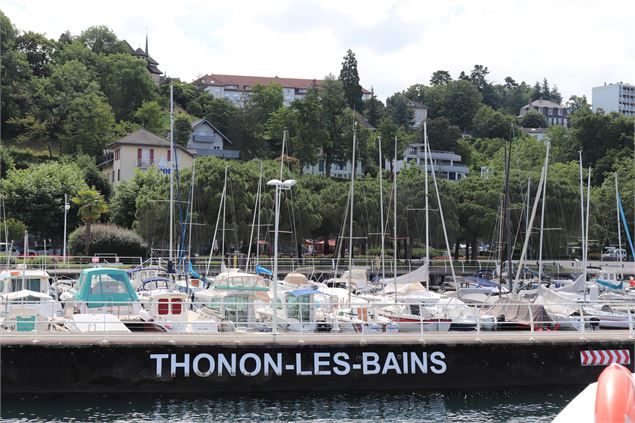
[(147, 42)]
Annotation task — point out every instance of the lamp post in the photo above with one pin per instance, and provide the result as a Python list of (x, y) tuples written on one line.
[(66, 208), (279, 185)]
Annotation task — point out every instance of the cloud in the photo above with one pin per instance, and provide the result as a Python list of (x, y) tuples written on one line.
[(574, 44)]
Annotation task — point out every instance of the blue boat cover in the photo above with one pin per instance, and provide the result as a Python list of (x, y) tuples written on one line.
[(261, 270), (610, 284), (300, 292)]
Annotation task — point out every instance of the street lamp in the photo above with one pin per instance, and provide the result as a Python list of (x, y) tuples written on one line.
[(286, 185), (66, 208)]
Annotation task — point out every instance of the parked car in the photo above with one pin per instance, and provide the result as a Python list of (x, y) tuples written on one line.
[(613, 254)]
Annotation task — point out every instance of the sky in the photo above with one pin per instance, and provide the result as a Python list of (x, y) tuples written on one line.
[(574, 44)]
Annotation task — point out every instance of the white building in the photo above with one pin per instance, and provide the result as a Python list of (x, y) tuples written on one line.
[(446, 163), (235, 87), (618, 97), (207, 140), (554, 113), (420, 113), (341, 171)]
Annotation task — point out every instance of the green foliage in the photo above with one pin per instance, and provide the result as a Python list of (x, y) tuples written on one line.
[(373, 109), (533, 119), (107, 238), (36, 196), (490, 123), (126, 83), (182, 129), (123, 207), (38, 51), (151, 117), (399, 110), (442, 135), (350, 82), (440, 77), (15, 229), (101, 40), (91, 205), (88, 126)]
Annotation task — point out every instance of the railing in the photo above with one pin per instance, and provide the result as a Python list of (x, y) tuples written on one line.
[(373, 319)]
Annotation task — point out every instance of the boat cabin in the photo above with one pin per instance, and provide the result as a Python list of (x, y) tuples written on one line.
[(24, 279), (101, 287)]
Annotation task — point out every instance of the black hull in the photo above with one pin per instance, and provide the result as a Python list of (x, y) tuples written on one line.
[(326, 362)]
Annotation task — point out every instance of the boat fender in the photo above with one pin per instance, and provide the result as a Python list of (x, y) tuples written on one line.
[(615, 397)]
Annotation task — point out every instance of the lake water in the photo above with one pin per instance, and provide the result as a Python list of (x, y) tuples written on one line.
[(526, 405)]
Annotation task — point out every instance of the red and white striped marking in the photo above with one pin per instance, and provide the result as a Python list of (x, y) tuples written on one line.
[(604, 357)]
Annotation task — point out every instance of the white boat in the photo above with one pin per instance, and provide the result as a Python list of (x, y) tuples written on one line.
[(173, 310)]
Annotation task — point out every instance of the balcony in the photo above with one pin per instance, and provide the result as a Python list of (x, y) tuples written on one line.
[(202, 138), (223, 154), (144, 164)]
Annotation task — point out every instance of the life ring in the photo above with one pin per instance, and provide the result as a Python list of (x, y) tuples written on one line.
[(615, 397)]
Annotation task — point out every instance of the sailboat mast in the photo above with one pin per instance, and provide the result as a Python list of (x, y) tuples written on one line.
[(586, 235), (619, 222), (394, 219), (172, 160), (224, 219), (381, 213), (425, 175), (253, 222), (542, 216), (583, 240), (350, 226), (189, 237)]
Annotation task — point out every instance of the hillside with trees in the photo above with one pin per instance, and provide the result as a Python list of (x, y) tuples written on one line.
[(65, 99)]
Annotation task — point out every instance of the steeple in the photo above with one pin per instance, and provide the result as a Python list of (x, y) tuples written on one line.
[(147, 54)]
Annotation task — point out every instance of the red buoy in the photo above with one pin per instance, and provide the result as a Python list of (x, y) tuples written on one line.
[(615, 397)]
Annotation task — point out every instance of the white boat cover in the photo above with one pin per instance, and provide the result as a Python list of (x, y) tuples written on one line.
[(557, 302), (420, 275), (579, 285)]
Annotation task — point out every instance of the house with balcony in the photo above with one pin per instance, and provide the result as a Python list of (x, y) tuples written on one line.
[(554, 113), (141, 149), (446, 163), (338, 170), (207, 140), (237, 87)]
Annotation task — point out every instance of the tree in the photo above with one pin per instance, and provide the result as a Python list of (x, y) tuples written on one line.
[(398, 108), (38, 51), (440, 77), (182, 129), (442, 135), (461, 103), (264, 100), (373, 109), (88, 125), (125, 82), (101, 40), (576, 103), (417, 92), (388, 131), (151, 117), (218, 111), (36, 196), (350, 82), (533, 119), (91, 206), (123, 206), (332, 102), (490, 123)]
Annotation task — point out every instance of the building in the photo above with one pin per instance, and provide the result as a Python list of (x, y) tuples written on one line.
[(554, 113), (539, 133), (151, 64), (207, 140), (618, 97), (338, 170), (141, 150), (446, 163), (420, 113), (236, 87)]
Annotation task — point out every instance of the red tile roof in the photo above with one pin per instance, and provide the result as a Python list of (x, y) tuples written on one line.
[(249, 81)]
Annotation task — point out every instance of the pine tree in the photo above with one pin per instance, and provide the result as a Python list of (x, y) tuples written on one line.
[(350, 81), (373, 109)]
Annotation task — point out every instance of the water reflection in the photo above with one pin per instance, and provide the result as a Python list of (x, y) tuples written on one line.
[(535, 405)]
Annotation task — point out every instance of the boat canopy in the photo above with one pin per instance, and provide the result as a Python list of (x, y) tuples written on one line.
[(96, 286), (300, 292)]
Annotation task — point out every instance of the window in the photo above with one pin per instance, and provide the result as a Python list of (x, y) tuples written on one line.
[(112, 176), (117, 154), (163, 307), (107, 284), (321, 165), (176, 306), (151, 155), (169, 155), (118, 174), (139, 156)]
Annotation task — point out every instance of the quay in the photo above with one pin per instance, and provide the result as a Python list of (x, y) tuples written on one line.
[(256, 362)]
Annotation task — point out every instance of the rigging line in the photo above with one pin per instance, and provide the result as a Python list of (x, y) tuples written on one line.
[(339, 241)]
